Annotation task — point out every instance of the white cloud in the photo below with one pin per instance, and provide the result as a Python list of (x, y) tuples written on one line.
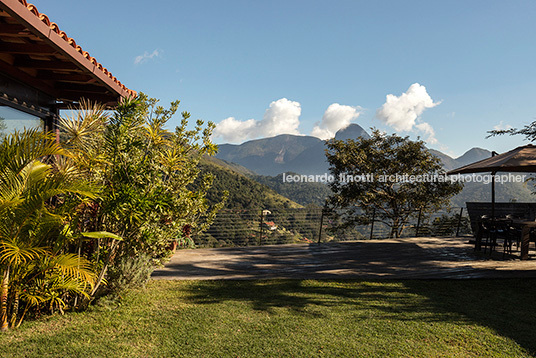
[(428, 131), (403, 112), (147, 56), (335, 118), (233, 130), (502, 127), (281, 117)]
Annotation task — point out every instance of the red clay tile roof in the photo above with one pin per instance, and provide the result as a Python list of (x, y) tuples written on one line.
[(55, 28)]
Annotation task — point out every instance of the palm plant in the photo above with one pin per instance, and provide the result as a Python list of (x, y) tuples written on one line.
[(32, 269)]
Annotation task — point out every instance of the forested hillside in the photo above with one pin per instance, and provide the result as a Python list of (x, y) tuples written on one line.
[(302, 193), (244, 192)]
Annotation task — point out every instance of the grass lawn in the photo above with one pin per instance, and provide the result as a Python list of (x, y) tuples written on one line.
[(488, 318)]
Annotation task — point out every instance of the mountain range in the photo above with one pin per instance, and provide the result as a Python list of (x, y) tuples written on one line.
[(269, 157), (306, 154)]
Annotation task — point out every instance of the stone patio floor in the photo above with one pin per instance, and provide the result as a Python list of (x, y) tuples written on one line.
[(407, 258)]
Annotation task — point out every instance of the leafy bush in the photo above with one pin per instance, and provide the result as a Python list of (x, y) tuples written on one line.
[(130, 272), (144, 171)]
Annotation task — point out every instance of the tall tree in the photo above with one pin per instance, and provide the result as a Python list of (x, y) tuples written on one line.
[(388, 177)]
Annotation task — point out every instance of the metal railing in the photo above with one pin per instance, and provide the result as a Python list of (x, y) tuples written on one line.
[(233, 228)]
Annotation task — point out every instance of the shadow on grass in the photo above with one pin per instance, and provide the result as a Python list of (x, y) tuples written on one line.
[(503, 303), (505, 306)]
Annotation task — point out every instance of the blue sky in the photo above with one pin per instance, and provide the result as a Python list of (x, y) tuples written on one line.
[(454, 69)]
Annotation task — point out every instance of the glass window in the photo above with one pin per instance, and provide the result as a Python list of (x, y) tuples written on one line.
[(12, 119)]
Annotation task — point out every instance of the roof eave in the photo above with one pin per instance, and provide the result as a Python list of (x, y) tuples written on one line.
[(80, 58)]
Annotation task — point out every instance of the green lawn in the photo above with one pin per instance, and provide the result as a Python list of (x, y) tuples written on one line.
[(488, 318)]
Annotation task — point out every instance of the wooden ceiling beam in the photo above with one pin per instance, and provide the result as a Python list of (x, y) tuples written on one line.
[(54, 64), (12, 29), (26, 78), (81, 88), (74, 96), (71, 77), (18, 48)]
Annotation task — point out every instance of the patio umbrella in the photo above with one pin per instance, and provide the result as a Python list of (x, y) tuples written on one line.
[(521, 159)]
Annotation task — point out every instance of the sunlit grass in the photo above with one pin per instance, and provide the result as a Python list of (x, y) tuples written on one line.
[(488, 318)]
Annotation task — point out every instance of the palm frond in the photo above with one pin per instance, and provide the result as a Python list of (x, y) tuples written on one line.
[(33, 296), (14, 252), (19, 149), (101, 235), (82, 125), (68, 284), (74, 266)]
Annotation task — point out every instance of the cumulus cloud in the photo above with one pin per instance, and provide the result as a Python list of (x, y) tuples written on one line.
[(502, 127), (233, 130), (281, 117), (403, 112), (336, 117), (147, 56), (428, 131)]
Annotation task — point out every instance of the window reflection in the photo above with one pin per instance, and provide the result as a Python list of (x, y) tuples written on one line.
[(12, 119)]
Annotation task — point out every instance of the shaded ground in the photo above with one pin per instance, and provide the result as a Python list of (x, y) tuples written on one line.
[(408, 258)]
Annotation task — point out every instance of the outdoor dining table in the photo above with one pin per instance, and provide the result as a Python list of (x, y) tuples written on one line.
[(524, 225), (525, 235)]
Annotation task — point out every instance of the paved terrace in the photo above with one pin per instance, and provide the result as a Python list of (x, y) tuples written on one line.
[(408, 258)]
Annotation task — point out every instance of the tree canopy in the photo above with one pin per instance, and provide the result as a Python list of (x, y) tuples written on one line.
[(388, 177)]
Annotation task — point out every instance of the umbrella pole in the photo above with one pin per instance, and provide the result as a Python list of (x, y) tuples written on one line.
[(493, 196), (493, 153)]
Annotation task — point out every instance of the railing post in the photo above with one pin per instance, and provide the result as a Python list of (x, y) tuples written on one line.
[(260, 227), (418, 223), (321, 224), (459, 222), (372, 223)]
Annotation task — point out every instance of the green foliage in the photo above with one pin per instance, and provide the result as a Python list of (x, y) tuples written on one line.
[(243, 192), (35, 266), (145, 172), (529, 131), (388, 201), (302, 193), (130, 272), (447, 225), (275, 226), (113, 194)]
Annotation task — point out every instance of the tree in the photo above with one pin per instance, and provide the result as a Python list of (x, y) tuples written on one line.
[(529, 131), (386, 176), (145, 171)]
